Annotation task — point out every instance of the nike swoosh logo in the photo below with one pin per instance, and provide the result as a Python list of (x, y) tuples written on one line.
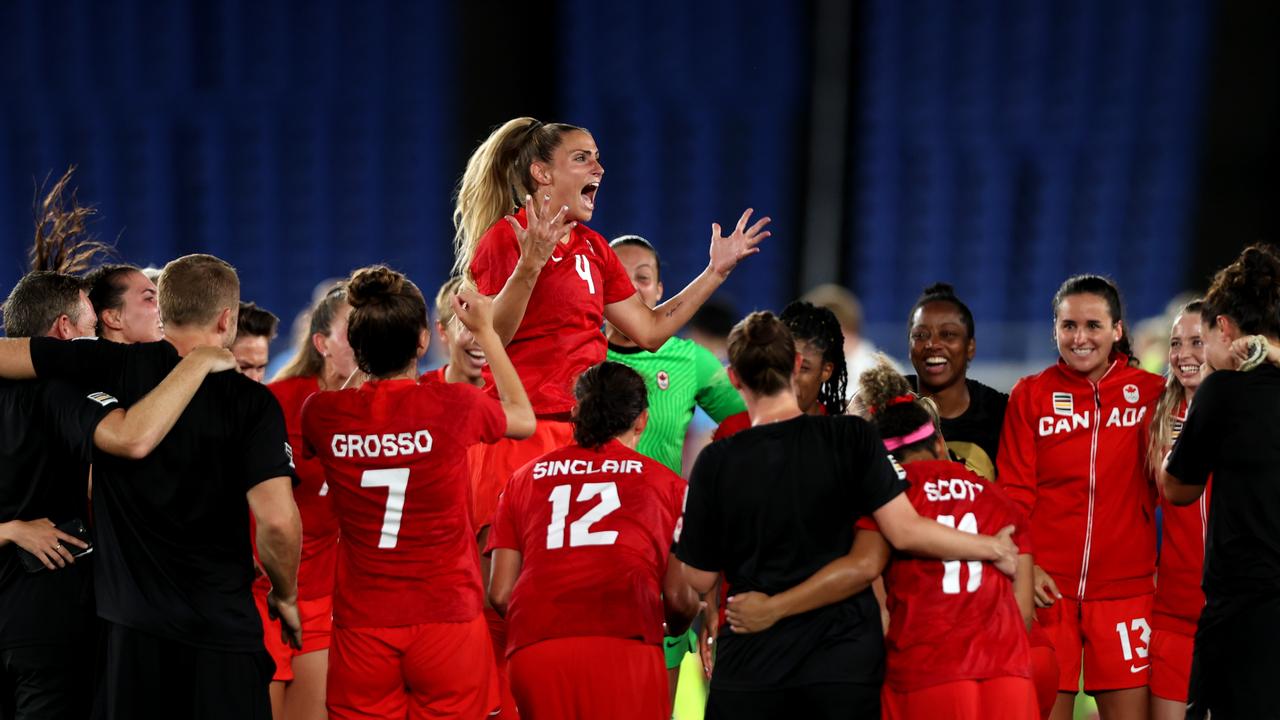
[(1135, 669), (556, 259)]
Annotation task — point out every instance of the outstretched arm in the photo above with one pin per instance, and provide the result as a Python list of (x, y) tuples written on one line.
[(135, 432), (651, 327), (839, 579), (476, 312)]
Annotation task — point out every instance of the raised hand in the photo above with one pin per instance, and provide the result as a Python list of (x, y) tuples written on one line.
[(545, 230), (473, 310), (727, 252)]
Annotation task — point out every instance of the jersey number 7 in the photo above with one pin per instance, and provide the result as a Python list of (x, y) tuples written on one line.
[(580, 530)]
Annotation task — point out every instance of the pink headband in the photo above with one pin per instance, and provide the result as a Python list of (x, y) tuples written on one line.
[(914, 436)]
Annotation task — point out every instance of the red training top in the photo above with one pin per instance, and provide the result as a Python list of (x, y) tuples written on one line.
[(952, 621), (1073, 457), (1179, 598), (595, 529), (560, 335), (434, 376), (319, 523), (394, 452)]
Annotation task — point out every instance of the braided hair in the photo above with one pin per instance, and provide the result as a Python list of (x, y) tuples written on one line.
[(818, 327)]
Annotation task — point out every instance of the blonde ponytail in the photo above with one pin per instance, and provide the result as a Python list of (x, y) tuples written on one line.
[(497, 179)]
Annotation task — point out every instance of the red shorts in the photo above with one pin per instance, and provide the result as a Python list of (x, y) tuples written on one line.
[(587, 678), (498, 634), (317, 627), (1110, 637), (433, 670), (1171, 664), (1044, 670), (1002, 698), (494, 464)]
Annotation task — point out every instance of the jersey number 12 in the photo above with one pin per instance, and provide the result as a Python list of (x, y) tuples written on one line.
[(580, 530)]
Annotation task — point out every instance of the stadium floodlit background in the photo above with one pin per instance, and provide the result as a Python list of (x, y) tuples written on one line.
[(998, 145)]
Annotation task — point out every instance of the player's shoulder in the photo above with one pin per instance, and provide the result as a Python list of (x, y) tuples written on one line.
[(986, 396), (293, 390)]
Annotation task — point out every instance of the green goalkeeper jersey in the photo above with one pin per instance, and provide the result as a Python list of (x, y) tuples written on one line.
[(681, 377)]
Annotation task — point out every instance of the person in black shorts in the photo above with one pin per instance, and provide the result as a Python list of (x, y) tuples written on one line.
[(940, 340), (1232, 433), (46, 616), (776, 502), (182, 634)]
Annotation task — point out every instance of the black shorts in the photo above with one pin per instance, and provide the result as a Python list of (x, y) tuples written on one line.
[(48, 682), (148, 676), (1234, 668), (832, 701)]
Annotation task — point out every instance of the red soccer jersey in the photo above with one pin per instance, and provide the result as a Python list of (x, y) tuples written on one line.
[(731, 426), (951, 621), (1179, 598), (594, 528), (434, 376), (394, 453), (319, 523), (1073, 457), (560, 335)]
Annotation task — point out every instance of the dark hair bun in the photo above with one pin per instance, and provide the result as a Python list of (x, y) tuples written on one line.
[(610, 397), (939, 290), (373, 285)]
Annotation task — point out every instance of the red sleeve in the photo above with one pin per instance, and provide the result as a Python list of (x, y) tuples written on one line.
[(503, 532), (496, 257), (481, 417), (1016, 461), (311, 431), (1014, 516), (617, 284), (679, 491), (731, 426), (866, 522)]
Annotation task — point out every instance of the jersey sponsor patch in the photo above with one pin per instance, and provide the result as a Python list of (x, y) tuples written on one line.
[(102, 398), (664, 380), (1063, 404), (1131, 393), (1176, 430)]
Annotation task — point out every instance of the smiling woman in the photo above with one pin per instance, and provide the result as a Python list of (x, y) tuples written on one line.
[(941, 343)]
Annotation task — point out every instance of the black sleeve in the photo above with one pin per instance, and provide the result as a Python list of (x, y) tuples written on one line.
[(267, 453), (882, 479), (699, 544), (87, 363), (1192, 458), (72, 416)]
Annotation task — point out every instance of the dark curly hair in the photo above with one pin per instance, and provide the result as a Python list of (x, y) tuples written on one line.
[(884, 392), (610, 397), (388, 313), (818, 327), (1248, 292)]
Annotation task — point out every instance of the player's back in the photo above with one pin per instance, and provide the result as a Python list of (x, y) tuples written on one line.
[(954, 620), (594, 527), (394, 458)]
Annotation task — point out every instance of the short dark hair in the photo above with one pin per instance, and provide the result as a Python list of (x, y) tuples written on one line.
[(39, 299), (106, 287), (194, 288), (387, 314), (256, 322), (610, 397)]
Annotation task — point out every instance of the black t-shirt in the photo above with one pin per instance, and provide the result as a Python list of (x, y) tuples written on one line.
[(174, 556), (974, 436), (1233, 432), (44, 470), (769, 507)]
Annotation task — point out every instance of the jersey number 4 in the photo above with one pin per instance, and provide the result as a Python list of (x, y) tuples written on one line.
[(951, 568), (580, 530)]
